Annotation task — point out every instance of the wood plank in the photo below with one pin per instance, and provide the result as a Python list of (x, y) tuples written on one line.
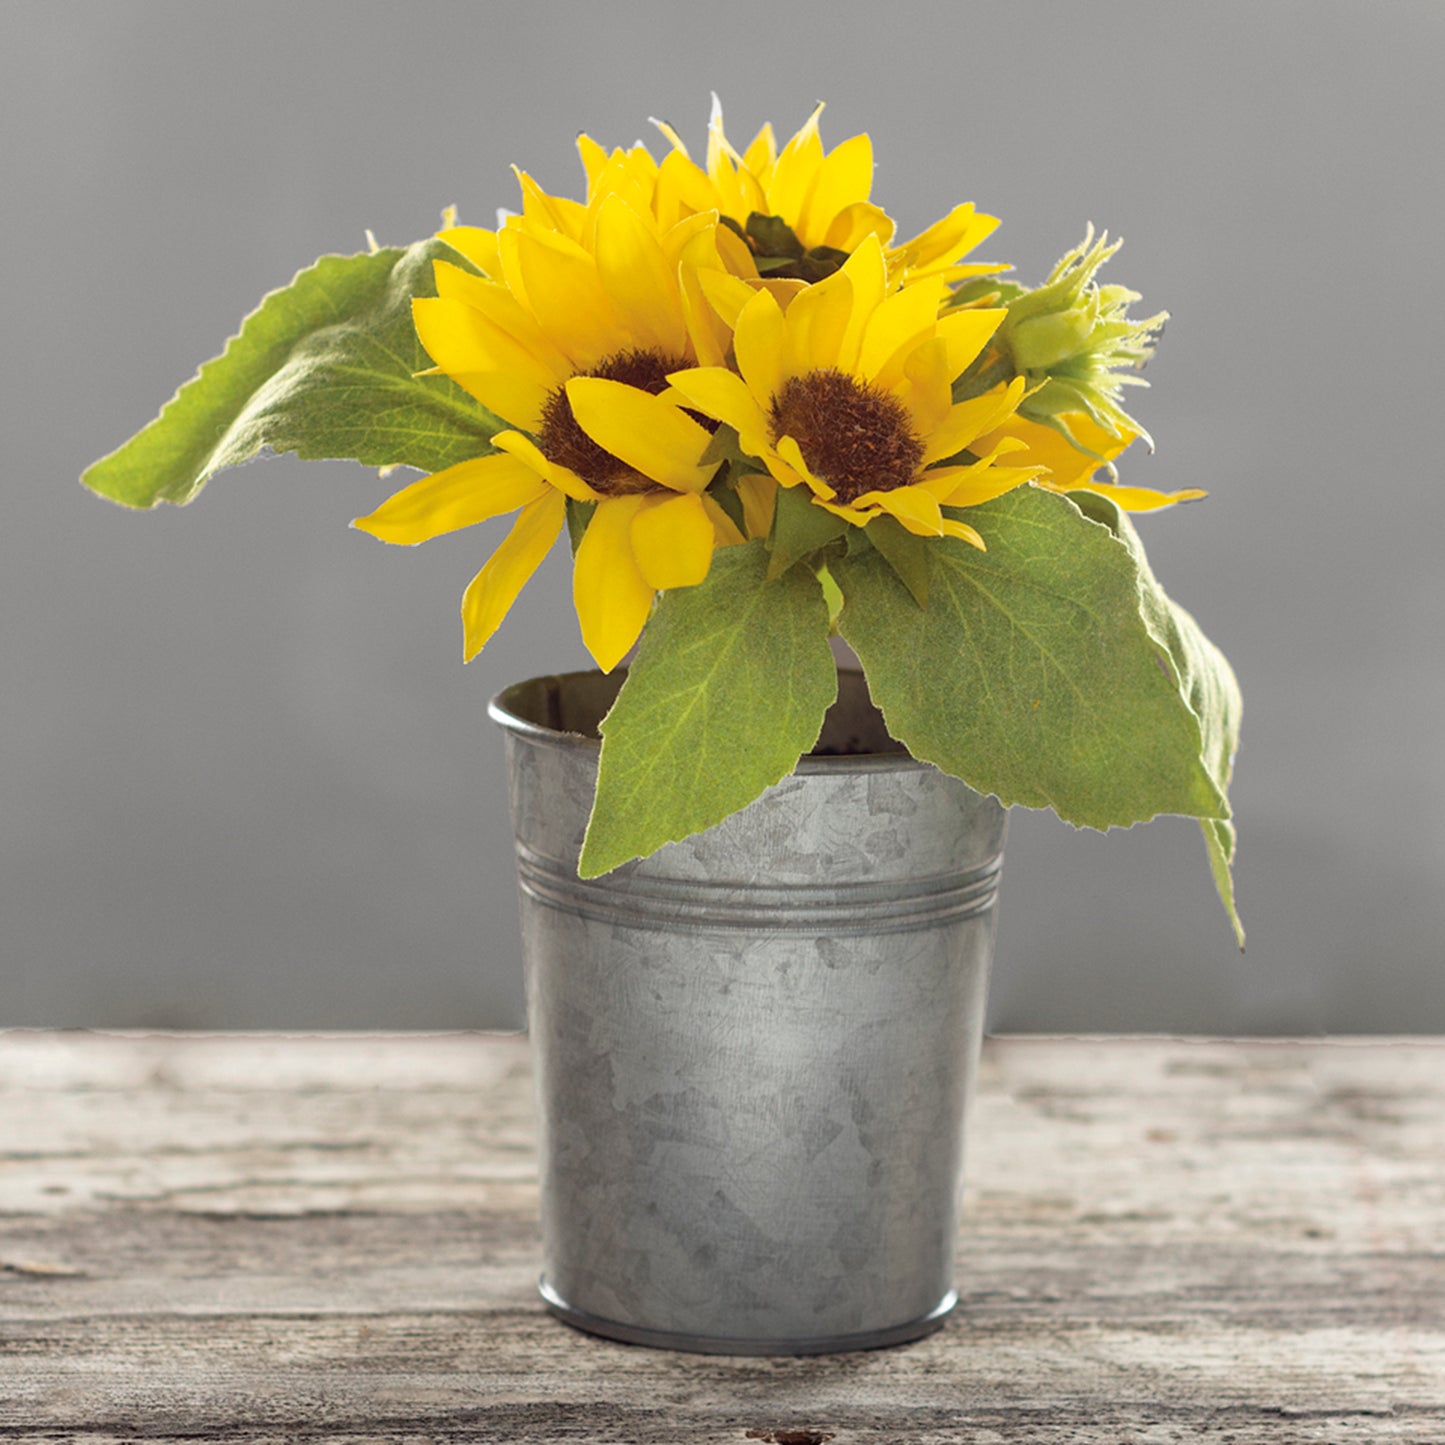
[(252, 1238)]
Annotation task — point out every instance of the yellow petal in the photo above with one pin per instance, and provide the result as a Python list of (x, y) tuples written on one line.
[(816, 323), (791, 454), (611, 595), (916, 508), (506, 394), (759, 496), (795, 171), (857, 516), (566, 294), (845, 177), (495, 587), (868, 272), (548, 212), (926, 389), (594, 158), (783, 289), (649, 433), (693, 236), (459, 338), (638, 281), (1068, 466), (952, 274), (717, 392), (681, 189), (963, 532), (967, 332), (709, 334), (948, 238), (900, 323), (460, 496), (855, 223), (968, 420), (737, 182), (503, 312), (632, 176), (1138, 499), (762, 152), (758, 346), (670, 134), (511, 277), (477, 245), (673, 539), (725, 531), (727, 294), (736, 256), (972, 486), (521, 446), (784, 474)]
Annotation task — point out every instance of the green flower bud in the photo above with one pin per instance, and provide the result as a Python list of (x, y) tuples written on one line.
[(1070, 338)]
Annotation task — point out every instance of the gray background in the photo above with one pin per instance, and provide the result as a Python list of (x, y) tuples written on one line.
[(245, 780)]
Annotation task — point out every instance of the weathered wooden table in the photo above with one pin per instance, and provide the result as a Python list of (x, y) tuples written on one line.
[(259, 1238)]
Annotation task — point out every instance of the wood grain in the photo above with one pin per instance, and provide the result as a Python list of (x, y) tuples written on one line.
[(257, 1238)]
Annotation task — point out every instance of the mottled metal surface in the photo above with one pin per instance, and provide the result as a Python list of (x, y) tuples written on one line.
[(754, 1048)]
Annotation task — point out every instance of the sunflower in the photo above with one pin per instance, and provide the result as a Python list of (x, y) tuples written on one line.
[(848, 391), (793, 214), (818, 198), (572, 345)]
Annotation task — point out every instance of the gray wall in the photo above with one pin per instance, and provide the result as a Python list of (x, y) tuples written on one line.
[(245, 780)]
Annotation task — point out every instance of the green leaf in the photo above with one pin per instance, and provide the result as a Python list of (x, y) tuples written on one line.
[(799, 529), (904, 551), (728, 690), (1219, 841), (832, 595), (1031, 674), (726, 496), (724, 447), (1203, 677), (325, 367)]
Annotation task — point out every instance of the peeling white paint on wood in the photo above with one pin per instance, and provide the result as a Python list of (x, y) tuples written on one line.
[(257, 1238)]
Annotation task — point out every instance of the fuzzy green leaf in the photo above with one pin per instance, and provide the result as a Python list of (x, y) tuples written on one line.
[(905, 552), (799, 529), (1203, 677), (1031, 674), (325, 367), (728, 690)]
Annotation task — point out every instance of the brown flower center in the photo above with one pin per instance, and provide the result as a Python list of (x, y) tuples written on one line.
[(854, 436), (564, 442)]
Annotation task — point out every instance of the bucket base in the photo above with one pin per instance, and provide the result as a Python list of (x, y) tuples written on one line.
[(902, 1334)]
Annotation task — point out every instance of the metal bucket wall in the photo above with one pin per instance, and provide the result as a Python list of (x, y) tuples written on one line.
[(755, 1048)]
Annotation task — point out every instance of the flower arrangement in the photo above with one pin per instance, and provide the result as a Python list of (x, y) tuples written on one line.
[(762, 420)]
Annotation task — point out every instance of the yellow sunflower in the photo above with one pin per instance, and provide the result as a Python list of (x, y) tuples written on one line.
[(794, 213), (848, 391), (572, 345), (823, 198)]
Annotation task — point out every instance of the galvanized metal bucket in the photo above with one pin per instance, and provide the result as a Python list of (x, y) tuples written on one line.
[(754, 1049)]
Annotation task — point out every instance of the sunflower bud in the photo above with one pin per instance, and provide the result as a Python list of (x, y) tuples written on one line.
[(1069, 339)]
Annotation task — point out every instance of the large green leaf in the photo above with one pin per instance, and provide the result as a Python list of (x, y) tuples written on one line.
[(1031, 674), (325, 367), (1203, 677), (728, 690)]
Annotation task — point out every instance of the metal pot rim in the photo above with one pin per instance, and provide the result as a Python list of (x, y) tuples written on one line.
[(503, 713)]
